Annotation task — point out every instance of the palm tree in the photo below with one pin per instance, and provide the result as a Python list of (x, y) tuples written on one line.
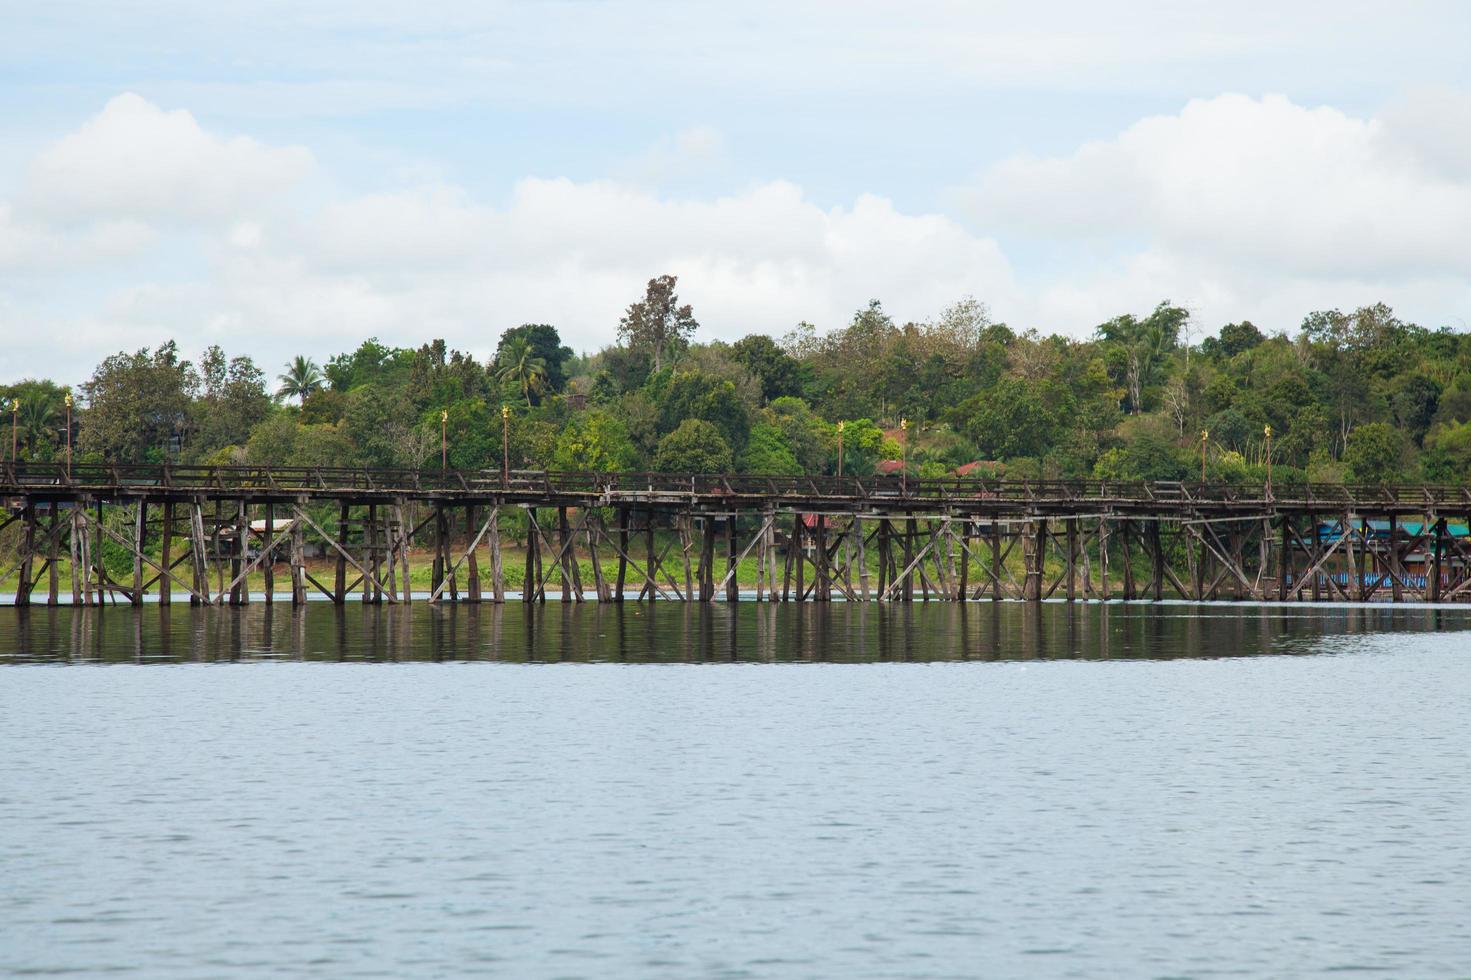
[(39, 420), (302, 377), (517, 363)]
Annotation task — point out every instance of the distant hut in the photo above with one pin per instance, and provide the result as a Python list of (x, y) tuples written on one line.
[(888, 467), (981, 469)]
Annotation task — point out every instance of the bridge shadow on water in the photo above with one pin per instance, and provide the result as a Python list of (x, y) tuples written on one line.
[(694, 633)]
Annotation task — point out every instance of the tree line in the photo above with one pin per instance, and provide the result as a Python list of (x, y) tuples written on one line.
[(1361, 396)]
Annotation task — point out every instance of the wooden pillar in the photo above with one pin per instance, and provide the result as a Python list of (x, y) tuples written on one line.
[(472, 563), (1432, 586), (1126, 541), (239, 594), (823, 572), (1072, 559), (268, 563), (1284, 558), (1036, 559), (166, 554), (1395, 565), (298, 557), (622, 517), (732, 585), (600, 584), (51, 548), (884, 557), (1103, 536), (27, 554), (860, 556), (339, 588), (497, 573), (995, 558), (568, 551), (1156, 547), (74, 551), (200, 553), (799, 538), (529, 586), (707, 561), (140, 534), (908, 584), (685, 529), (405, 542), (650, 589)]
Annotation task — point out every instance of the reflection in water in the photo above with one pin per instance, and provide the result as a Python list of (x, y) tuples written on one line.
[(693, 633)]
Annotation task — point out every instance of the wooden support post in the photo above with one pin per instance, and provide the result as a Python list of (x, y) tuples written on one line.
[(684, 526), (1157, 549), (860, 555), (1285, 563), (529, 587), (339, 588), (1432, 585), (237, 560), (298, 557), (1036, 558), (268, 564), (51, 549), (74, 551), (600, 584), (1396, 566), (568, 561), (650, 588), (1126, 541), (140, 534), (472, 563), (1072, 559), (823, 573), (27, 554), (405, 542), (966, 536), (908, 583), (198, 544), (622, 518), (884, 558), (732, 586), (995, 559), (497, 572), (165, 585), (707, 561), (799, 540), (1103, 536)]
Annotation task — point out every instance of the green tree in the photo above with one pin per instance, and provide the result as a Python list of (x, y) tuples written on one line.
[(768, 454), (779, 373), (302, 378), (232, 400), (595, 441), (657, 323), (695, 447), (137, 405), (546, 344), (1375, 453), (518, 365)]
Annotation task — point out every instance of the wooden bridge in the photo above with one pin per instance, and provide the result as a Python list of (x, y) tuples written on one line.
[(201, 531)]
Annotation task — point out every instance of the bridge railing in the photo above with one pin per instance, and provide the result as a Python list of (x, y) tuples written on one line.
[(30, 477)]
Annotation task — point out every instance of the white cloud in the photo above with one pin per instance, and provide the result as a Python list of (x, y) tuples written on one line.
[(1237, 204), (135, 160)]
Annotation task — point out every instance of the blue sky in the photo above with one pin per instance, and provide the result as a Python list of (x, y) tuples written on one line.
[(288, 178)]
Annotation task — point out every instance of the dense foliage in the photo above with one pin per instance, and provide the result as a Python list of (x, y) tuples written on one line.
[(1357, 396)]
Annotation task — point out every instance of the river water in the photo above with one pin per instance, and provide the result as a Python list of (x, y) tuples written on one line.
[(986, 790)]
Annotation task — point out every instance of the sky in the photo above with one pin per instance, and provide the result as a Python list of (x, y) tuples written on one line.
[(285, 178)]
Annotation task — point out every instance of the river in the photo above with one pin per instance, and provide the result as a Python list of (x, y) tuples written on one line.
[(980, 790)]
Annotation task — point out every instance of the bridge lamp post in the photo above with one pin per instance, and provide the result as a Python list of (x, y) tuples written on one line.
[(1267, 431), (1204, 438), (443, 440), (505, 446), (840, 448), (68, 401), (903, 456)]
